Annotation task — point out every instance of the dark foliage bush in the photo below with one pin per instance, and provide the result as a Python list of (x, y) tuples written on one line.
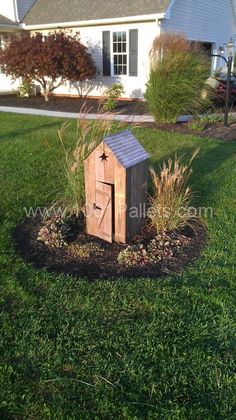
[(49, 60)]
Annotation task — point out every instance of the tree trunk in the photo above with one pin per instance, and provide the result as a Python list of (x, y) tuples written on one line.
[(46, 92), (46, 95)]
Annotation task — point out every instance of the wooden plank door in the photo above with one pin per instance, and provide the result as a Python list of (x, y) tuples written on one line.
[(103, 211)]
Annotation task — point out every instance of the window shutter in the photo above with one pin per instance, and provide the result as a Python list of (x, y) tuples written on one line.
[(133, 52), (106, 52)]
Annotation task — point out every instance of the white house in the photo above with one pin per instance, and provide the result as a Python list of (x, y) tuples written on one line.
[(11, 14), (119, 35)]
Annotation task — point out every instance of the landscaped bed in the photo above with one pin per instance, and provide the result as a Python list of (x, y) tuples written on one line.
[(205, 129), (91, 258), (70, 104), (125, 348), (210, 126)]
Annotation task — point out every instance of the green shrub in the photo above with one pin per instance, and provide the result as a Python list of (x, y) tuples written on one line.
[(136, 256), (24, 89), (54, 232), (112, 94), (177, 78), (161, 247), (212, 118), (170, 204), (199, 123)]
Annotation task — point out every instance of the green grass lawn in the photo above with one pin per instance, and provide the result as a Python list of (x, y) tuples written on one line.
[(157, 349)]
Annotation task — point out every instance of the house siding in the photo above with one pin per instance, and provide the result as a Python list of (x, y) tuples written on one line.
[(202, 20), (134, 87), (7, 85), (7, 8)]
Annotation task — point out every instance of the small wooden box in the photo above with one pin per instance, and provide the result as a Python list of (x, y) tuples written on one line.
[(116, 188)]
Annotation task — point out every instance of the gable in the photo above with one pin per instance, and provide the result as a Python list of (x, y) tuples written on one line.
[(23, 7), (58, 11)]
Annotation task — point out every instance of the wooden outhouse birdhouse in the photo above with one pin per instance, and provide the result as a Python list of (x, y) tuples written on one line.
[(116, 188)]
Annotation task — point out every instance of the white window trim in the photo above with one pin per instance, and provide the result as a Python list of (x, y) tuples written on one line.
[(112, 53), (2, 45)]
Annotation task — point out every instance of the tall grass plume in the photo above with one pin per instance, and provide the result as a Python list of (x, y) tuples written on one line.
[(169, 206), (179, 70), (89, 133)]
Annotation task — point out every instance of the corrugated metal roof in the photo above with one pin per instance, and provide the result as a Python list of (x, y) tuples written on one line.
[(126, 148), (56, 11)]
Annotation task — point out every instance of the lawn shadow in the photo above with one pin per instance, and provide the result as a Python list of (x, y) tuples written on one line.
[(205, 164), (17, 133)]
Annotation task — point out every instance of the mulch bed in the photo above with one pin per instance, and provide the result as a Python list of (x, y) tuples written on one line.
[(70, 104), (134, 107), (106, 265), (211, 130)]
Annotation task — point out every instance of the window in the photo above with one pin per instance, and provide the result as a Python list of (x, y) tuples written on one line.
[(120, 53), (119, 43)]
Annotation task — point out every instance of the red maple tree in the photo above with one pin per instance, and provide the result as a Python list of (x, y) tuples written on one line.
[(49, 59)]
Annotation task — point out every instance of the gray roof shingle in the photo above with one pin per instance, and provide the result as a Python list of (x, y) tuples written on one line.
[(126, 148), (6, 21), (57, 11)]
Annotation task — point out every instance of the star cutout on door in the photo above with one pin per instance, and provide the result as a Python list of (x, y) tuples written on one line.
[(103, 157)]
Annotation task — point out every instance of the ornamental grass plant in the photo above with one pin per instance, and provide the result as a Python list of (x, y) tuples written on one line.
[(177, 77), (71, 198), (170, 203)]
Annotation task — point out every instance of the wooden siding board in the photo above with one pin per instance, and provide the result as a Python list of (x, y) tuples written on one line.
[(89, 169), (120, 205), (137, 175), (103, 211), (104, 169)]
